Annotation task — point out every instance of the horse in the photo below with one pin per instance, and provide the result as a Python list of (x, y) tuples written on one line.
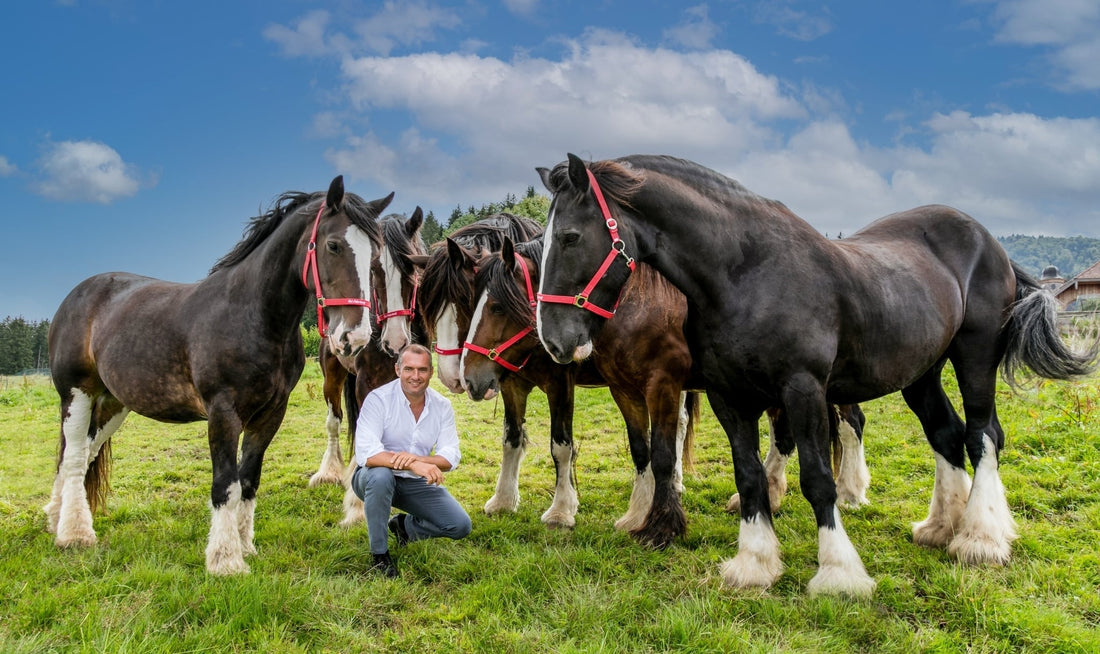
[(779, 315), (227, 349), (641, 355), (396, 275)]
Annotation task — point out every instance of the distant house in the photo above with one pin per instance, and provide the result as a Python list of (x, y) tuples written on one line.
[(1073, 294)]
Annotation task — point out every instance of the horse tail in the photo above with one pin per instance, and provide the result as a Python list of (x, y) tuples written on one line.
[(1033, 339), (693, 405), (97, 478), (351, 410)]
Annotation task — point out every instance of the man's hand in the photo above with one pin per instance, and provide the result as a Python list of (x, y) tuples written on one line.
[(428, 471)]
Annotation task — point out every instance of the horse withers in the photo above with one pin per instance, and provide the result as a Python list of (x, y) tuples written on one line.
[(780, 316), (227, 349)]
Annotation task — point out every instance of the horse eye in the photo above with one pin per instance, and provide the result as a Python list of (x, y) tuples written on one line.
[(333, 247), (570, 238), (496, 309)]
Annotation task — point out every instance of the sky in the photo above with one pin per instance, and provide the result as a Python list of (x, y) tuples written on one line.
[(141, 135)]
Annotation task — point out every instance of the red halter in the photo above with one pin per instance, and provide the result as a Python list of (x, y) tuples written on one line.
[(311, 262), (410, 312), (494, 353), (618, 248)]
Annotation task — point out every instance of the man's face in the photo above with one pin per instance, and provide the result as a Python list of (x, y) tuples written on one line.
[(415, 370)]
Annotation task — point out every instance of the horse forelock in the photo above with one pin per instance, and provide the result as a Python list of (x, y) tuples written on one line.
[(618, 180), (398, 243), (493, 278)]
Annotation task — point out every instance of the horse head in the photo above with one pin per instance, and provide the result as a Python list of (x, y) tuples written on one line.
[(586, 259), (446, 303), (344, 241), (501, 336), (400, 263)]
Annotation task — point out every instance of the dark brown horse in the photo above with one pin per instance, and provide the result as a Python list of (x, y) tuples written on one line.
[(780, 316), (640, 355), (227, 350)]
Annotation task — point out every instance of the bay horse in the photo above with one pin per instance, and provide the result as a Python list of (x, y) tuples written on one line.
[(393, 312), (778, 315), (641, 355), (227, 349)]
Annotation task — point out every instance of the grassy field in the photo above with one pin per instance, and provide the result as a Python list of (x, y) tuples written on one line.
[(515, 586)]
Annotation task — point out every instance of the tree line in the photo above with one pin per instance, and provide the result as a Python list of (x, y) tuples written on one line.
[(1071, 255), (23, 345)]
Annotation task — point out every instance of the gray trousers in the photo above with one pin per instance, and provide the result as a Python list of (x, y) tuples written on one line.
[(433, 512)]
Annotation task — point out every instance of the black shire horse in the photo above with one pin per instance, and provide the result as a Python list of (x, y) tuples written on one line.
[(227, 350), (780, 316)]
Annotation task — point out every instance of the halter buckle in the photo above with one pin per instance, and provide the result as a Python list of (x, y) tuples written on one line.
[(580, 300)]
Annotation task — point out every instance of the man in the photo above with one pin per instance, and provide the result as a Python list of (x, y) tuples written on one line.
[(405, 439)]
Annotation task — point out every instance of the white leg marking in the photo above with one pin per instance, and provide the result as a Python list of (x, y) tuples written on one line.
[(224, 555), (641, 499), (246, 513), (353, 506), (74, 514), (949, 494), (506, 496), (854, 477), (331, 470), (775, 468), (840, 570), (987, 530), (563, 510), (448, 338), (681, 437), (757, 562)]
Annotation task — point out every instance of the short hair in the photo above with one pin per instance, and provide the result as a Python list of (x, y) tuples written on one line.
[(416, 348)]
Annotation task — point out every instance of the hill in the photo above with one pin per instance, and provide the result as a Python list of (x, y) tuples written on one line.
[(1070, 254)]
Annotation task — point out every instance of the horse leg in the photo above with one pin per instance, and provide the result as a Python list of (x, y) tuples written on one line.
[(224, 553), (253, 446), (987, 529), (840, 569), (331, 470), (853, 477), (89, 425), (757, 562), (514, 444), (775, 463), (945, 433), (559, 395), (641, 497), (665, 520)]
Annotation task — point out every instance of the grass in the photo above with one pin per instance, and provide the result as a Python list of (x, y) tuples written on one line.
[(515, 586)]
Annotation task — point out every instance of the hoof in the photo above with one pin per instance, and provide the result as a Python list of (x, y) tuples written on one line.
[(558, 520), (327, 477), (932, 533), (840, 580), (748, 571), (501, 504), (975, 549)]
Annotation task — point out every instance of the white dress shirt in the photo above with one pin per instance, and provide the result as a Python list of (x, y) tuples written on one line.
[(386, 424)]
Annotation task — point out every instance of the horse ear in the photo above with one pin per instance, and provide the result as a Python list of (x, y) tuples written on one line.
[(578, 174), (412, 225), (508, 253), (544, 175), (379, 205), (455, 254), (335, 199)]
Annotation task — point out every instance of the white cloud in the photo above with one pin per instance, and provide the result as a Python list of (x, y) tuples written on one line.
[(306, 38), (85, 171), (404, 23), (1069, 28), (7, 168), (696, 31), (522, 7), (798, 24)]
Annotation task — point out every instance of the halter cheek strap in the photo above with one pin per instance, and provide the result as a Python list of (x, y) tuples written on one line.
[(494, 353), (618, 248), (311, 264)]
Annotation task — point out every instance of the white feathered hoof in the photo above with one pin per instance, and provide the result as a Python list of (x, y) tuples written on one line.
[(932, 533), (223, 560), (757, 562), (321, 477), (76, 538), (982, 548), (734, 504), (558, 519), (841, 580), (502, 504)]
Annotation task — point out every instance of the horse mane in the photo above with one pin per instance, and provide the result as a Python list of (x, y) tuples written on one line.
[(288, 204), (492, 278), (618, 181), (448, 284), (397, 242)]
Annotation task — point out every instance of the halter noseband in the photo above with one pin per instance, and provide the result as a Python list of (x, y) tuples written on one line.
[(410, 312), (322, 301), (494, 353), (618, 248)]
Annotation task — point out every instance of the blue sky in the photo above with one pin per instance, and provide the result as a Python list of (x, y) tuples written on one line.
[(141, 135)]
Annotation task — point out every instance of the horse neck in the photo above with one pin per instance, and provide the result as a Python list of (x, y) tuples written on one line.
[(269, 280)]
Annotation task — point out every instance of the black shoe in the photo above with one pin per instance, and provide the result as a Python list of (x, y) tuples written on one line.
[(397, 527), (385, 565)]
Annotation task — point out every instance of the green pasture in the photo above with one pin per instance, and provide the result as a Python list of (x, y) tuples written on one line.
[(515, 586)]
